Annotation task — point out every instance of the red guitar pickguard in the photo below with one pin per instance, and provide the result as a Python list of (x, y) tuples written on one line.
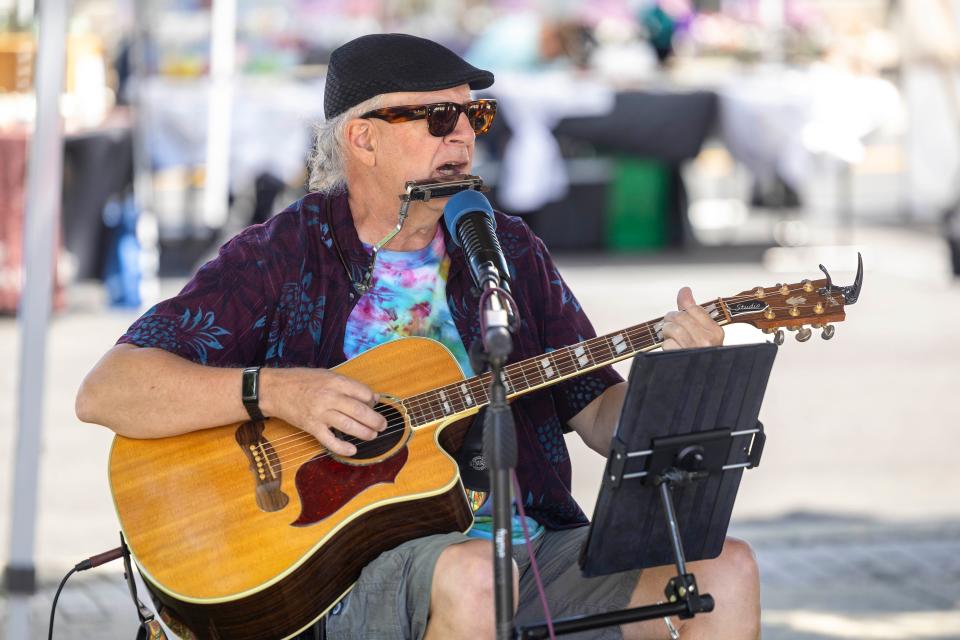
[(325, 484)]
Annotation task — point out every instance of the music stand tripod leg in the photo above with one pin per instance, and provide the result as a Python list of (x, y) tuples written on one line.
[(681, 588)]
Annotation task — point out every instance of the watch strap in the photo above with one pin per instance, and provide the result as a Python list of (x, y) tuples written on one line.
[(250, 393)]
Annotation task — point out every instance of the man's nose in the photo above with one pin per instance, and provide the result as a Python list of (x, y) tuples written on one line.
[(463, 132)]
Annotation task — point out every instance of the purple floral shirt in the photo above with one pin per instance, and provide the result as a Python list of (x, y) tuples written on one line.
[(278, 295)]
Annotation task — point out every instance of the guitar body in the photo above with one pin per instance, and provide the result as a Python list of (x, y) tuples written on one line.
[(243, 533)]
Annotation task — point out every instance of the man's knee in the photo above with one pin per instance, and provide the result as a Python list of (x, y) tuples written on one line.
[(740, 564), (463, 579), (461, 599), (464, 573)]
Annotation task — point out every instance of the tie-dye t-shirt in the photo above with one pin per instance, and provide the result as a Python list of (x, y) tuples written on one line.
[(407, 298)]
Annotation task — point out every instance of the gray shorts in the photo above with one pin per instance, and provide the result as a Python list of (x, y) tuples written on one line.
[(391, 600)]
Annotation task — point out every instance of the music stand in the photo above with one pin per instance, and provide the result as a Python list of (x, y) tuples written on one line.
[(687, 431)]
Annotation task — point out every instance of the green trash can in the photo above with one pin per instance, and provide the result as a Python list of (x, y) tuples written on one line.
[(637, 205)]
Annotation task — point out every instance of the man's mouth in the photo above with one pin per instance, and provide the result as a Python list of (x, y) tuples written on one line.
[(450, 169)]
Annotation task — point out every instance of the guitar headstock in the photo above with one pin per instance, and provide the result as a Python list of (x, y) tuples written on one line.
[(796, 307)]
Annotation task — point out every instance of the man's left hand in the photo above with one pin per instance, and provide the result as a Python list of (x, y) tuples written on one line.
[(690, 326)]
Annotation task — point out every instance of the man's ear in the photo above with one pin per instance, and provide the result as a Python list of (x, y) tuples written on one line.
[(361, 139)]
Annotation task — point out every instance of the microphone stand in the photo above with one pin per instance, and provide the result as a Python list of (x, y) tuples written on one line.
[(499, 441)]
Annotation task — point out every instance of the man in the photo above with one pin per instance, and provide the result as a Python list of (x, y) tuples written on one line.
[(291, 296)]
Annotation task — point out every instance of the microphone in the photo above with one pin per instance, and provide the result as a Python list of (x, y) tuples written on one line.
[(468, 217)]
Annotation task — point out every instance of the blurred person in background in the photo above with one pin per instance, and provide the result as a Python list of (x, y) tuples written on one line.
[(527, 41), (660, 21), (285, 296), (931, 60)]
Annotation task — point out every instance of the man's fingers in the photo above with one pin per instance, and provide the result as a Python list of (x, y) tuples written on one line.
[(692, 327), (685, 298), (687, 304), (335, 444), (697, 320), (360, 413), (348, 426), (705, 322), (355, 389), (670, 344), (678, 335)]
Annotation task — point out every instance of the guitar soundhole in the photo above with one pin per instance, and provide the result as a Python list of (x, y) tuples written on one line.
[(387, 442)]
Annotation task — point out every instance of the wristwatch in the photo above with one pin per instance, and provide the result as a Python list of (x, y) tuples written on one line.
[(250, 390)]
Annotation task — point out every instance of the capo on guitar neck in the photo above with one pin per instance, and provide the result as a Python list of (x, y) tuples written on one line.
[(850, 294)]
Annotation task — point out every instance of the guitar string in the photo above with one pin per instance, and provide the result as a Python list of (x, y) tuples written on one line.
[(315, 448), (427, 401), (600, 343), (421, 401), (414, 402), (419, 407), (571, 368)]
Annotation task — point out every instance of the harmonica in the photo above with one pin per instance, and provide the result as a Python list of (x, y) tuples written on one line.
[(441, 187)]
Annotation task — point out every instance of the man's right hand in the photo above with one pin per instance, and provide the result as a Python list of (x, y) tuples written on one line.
[(318, 401)]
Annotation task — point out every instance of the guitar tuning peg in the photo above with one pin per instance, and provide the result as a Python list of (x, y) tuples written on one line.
[(804, 334), (778, 337), (828, 331)]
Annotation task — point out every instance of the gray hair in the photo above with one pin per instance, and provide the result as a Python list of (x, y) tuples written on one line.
[(327, 166)]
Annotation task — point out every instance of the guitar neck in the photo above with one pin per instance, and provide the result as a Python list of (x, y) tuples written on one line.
[(467, 396)]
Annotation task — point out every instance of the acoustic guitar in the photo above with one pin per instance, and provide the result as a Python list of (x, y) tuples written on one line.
[(253, 530)]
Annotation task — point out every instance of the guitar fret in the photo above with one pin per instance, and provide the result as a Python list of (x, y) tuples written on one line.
[(445, 403), (467, 398), (653, 334), (619, 343), (531, 376), (600, 348), (593, 353), (571, 364), (547, 370), (581, 357), (516, 371), (480, 392), (505, 378), (431, 408)]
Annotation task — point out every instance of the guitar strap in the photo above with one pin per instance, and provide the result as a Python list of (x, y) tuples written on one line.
[(470, 459), (328, 214)]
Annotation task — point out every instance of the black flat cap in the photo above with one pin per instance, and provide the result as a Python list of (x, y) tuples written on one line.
[(391, 62)]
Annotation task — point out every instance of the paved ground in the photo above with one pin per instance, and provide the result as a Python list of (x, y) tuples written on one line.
[(822, 580), (854, 514)]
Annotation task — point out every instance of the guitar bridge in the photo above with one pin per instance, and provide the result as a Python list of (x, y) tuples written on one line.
[(264, 465)]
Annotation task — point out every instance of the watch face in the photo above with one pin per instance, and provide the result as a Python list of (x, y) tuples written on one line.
[(249, 386)]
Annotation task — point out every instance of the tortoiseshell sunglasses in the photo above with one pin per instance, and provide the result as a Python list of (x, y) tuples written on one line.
[(441, 116)]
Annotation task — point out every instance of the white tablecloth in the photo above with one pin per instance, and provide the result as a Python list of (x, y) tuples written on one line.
[(270, 125)]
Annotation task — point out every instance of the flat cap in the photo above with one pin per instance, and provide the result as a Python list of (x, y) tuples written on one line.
[(392, 62)]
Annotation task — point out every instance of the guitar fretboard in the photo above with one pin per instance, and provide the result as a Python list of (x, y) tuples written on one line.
[(541, 371)]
